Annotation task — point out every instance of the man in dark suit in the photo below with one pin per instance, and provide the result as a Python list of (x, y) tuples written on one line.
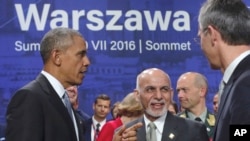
[(101, 108), (224, 29), (37, 112), (154, 91)]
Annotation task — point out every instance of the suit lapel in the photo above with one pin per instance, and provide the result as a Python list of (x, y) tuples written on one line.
[(56, 101), (141, 132), (169, 130), (226, 96), (243, 65)]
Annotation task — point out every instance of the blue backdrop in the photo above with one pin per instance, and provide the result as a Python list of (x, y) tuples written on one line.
[(124, 37)]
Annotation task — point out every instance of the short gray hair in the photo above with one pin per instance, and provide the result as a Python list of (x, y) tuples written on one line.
[(58, 38), (229, 17)]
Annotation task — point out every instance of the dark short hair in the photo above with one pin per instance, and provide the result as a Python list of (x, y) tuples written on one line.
[(57, 38), (102, 97)]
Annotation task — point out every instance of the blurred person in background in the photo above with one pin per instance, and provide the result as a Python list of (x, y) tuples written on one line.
[(114, 110), (101, 109), (173, 108), (73, 97), (216, 103), (128, 109)]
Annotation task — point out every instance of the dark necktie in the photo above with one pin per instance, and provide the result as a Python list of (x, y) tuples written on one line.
[(67, 104), (97, 130), (198, 119), (151, 134)]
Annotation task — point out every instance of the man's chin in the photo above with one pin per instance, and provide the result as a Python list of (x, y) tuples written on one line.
[(156, 114)]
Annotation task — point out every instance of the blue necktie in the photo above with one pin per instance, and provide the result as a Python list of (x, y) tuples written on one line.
[(67, 104)]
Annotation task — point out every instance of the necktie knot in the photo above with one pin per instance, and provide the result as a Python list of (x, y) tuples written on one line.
[(152, 125), (198, 119), (98, 127)]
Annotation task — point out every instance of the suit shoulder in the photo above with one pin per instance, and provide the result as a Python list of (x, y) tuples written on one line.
[(188, 122)]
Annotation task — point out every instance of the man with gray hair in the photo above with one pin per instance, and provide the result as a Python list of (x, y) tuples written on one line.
[(154, 91), (224, 31), (41, 110)]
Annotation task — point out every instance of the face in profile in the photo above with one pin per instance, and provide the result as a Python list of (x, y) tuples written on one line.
[(73, 70)]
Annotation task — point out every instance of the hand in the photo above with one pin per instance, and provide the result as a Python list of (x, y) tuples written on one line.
[(128, 134)]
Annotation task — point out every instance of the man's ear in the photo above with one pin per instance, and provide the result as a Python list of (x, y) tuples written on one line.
[(203, 92), (56, 56), (136, 94), (214, 34)]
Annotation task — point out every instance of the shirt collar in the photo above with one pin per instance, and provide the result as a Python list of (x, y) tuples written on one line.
[(101, 123), (159, 123), (58, 87), (230, 69), (202, 116)]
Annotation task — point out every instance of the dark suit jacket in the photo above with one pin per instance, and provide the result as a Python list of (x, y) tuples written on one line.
[(234, 105), (88, 125), (176, 129), (37, 113), (209, 122)]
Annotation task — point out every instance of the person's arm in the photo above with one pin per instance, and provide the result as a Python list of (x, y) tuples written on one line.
[(127, 134)]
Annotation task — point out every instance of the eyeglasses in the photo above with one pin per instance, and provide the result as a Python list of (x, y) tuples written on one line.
[(198, 38)]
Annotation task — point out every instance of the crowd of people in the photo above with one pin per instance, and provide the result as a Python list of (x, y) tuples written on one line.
[(39, 110)]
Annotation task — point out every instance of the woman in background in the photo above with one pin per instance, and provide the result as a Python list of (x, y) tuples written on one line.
[(128, 110)]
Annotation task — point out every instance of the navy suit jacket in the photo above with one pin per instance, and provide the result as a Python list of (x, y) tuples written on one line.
[(37, 113), (87, 129), (234, 105), (176, 129)]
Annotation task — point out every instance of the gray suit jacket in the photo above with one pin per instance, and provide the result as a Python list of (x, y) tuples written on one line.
[(176, 129), (37, 113)]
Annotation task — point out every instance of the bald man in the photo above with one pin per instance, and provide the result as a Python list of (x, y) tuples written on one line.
[(154, 91), (192, 89)]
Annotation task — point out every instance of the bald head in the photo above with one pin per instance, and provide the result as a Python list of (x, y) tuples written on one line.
[(150, 73), (194, 78), (192, 90)]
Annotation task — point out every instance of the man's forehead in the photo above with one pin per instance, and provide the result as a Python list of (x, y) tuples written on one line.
[(156, 82)]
